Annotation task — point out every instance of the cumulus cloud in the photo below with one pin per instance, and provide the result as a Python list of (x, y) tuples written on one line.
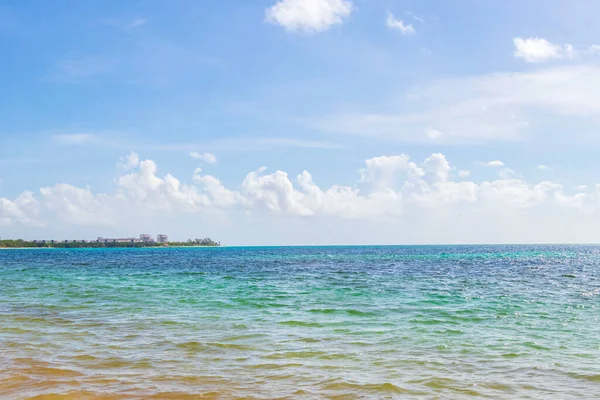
[(537, 50), (463, 173), (129, 162), (397, 24), (436, 167), (208, 158), (309, 16), (393, 197), (543, 167), (389, 188), (23, 210), (78, 206), (495, 163), (383, 171), (147, 192)]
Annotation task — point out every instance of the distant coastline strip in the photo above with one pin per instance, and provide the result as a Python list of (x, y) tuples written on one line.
[(143, 241)]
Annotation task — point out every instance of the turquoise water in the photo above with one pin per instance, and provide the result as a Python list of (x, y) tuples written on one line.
[(439, 322)]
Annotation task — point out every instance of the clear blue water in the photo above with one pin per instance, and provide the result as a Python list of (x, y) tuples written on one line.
[(301, 322)]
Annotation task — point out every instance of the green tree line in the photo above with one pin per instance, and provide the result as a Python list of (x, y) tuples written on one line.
[(20, 243)]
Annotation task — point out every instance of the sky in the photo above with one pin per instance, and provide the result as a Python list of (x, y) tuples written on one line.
[(301, 122)]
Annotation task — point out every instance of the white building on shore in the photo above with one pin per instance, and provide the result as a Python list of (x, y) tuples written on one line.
[(162, 238), (144, 238), (118, 240)]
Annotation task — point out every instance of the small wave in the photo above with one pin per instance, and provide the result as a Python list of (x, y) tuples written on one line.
[(233, 346), (585, 377), (275, 366), (49, 371), (450, 332), (191, 273), (192, 346), (386, 387), (336, 356), (85, 357), (361, 313), (115, 363), (13, 382), (534, 345), (302, 323), (323, 310), (185, 395), (432, 321), (246, 336), (78, 394), (310, 340), (295, 354), (19, 331)]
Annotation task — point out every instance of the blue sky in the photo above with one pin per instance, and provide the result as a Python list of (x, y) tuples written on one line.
[(412, 118)]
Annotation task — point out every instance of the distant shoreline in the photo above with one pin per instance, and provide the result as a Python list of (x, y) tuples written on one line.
[(111, 248), (104, 248), (145, 241)]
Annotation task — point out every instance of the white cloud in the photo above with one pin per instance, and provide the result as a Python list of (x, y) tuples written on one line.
[(397, 24), (309, 16), (574, 201), (543, 167), (507, 173), (516, 193), (492, 107), (433, 134), (463, 173), (208, 158), (436, 167), (129, 162), (74, 138), (495, 163), (391, 191), (536, 50), (146, 192), (23, 210), (78, 206), (390, 183), (415, 17), (216, 192)]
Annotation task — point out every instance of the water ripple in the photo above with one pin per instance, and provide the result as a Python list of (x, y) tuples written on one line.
[(320, 322)]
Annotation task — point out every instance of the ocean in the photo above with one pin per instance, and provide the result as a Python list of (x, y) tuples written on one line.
[(406, 322)]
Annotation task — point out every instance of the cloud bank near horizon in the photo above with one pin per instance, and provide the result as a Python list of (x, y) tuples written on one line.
[(390, 191)]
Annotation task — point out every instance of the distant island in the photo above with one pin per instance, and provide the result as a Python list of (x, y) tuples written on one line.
[(144, 240)]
